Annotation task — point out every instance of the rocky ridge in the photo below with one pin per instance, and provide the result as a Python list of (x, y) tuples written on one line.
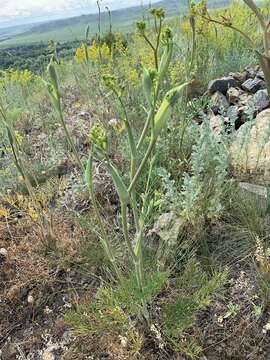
[(237, 98)]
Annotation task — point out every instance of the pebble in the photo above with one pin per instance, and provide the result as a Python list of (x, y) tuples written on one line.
[(3, 252)]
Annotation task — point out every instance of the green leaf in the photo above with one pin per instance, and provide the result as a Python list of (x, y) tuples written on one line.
[(118, 183), (147, 86)]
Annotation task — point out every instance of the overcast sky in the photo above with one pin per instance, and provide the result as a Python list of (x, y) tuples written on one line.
[(13, 12)]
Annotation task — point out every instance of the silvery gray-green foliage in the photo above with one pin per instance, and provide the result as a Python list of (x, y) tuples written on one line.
[(201, 195), (169, 189)]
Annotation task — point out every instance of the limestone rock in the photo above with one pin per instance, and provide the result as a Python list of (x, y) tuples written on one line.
[(168, 226), (252, 71), (219, 103), (254, 155), (260, 75), (240, 76), (233, 95), (255, 189), (3, 252), (261, 100)]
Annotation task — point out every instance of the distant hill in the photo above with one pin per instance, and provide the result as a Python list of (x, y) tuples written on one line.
[(5, 33), (73, 28)]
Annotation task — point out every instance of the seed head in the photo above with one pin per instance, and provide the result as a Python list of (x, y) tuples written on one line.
[(158, 13), (111, 82), (98, 136), (141, 27), (167, 35)]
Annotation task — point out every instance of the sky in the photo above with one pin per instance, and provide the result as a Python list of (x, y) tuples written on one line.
[(17, 12)]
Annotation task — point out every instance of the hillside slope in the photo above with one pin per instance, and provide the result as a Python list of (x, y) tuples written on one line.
[(73, 28)]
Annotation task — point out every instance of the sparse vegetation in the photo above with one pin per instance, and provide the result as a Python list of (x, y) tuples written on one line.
[(134, 201)]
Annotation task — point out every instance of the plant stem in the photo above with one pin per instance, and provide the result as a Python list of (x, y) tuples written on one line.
[(146, 126), (208, 18), (143, 163), (131, 139), (125, 232), (133, 152), (150, 117), (158, 43), (137, 258), (133, 196)]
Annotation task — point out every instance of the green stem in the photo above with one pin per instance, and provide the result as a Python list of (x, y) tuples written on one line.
[(150, 117), (158, 43), (207, 18), (145, 129), (133, 196), (142, 165), (125, 232), (153, 48), (131, 139), (133, 152)]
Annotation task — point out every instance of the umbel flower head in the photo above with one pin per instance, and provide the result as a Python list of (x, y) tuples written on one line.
[(201, 8), (111, 82), (167, 35), (98, 137), (141, 27), (158, 12)]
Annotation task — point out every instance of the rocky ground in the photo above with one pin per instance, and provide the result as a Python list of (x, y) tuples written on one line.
[(36, 289), (237, 102)]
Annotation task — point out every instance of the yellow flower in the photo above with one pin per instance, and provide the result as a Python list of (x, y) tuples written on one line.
[(80, 54), (19, 137), (33, 214), (4, 213), (21, 76), (95, 53)]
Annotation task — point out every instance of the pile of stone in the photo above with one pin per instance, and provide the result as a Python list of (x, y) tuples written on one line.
[(237, 98)]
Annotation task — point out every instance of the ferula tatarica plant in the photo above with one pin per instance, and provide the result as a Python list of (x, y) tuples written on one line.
[(158, 113)]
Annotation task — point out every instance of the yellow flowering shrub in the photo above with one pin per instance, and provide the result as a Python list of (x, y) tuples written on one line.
[(176, 72), (80, 54), (218, 37), (127, 67), (131, 59), (95, 53), (23, 77), (143, 55), (19, 137), (20, 203)]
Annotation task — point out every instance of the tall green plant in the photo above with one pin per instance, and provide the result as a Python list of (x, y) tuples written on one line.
[(156, 121)]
